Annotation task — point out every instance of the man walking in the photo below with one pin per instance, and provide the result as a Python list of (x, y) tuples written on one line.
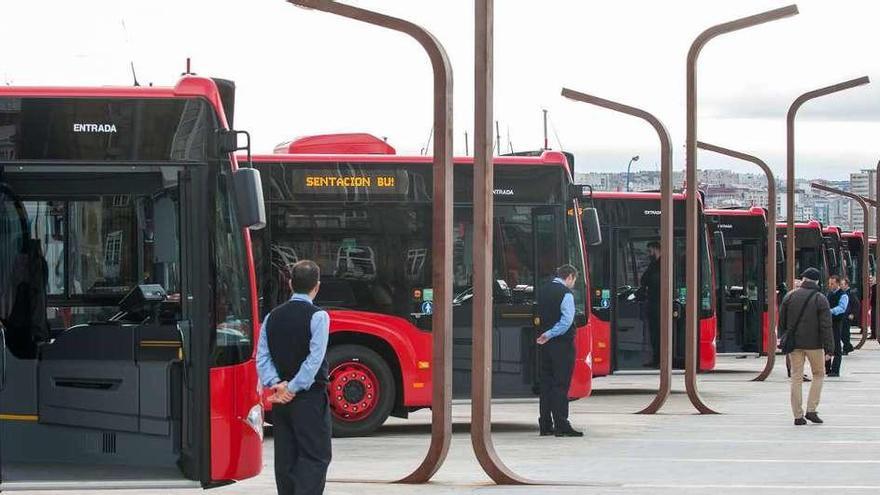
[(556, 317), (805, 317), (838, 299), (291, 360)]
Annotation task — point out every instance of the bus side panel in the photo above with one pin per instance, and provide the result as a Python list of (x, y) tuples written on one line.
[(601, 346), (708, 328), (236, 448), (409, 344), (582, 375)]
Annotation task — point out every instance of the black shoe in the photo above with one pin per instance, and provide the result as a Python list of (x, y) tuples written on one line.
[(547, 433), (807, 378), (571, 432), (812, 416), (833, 374), (800, 421)]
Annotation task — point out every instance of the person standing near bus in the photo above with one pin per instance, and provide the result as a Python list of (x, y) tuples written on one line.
[(649, 293), (853, 315), (805, 319), (291, 360), (556, 315), (838, 300)]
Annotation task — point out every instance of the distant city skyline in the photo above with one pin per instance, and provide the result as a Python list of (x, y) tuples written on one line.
[(725, 188)]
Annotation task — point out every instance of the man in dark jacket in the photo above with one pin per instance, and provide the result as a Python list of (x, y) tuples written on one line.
[(805, 316), (649, 293)]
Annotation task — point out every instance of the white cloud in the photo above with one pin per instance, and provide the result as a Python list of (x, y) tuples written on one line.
[(303, 72)]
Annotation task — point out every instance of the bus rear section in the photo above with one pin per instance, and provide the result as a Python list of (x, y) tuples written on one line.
[(809, 250), (624, 326), (366, 219), (742, 292), (127, 349)]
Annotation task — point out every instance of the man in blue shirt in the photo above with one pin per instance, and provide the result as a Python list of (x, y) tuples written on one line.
[(838, 299), (557, 351), (291, 360)]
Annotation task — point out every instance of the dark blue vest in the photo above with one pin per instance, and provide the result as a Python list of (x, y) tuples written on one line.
[(549, 308), (289, 334)]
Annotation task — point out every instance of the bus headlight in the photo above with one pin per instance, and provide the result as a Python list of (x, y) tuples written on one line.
[(255, 419)]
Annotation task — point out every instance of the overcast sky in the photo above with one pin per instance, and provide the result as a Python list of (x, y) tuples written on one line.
[(303, 72)]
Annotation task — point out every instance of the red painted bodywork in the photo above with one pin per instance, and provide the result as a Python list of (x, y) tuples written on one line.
[(410, 344), (755, 211), (344, 144), (236, 449), (600, 331)]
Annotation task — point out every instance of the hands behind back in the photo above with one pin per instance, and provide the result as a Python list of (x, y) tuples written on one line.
[(282, 394)]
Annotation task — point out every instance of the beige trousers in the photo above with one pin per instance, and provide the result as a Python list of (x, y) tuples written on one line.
[(817, 367)]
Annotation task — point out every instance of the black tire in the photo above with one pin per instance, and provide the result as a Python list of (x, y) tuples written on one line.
[(386, 385)]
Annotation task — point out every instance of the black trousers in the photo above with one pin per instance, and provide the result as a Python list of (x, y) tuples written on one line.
[(846, 336), (837, 326), (302, 433), (557, 363)]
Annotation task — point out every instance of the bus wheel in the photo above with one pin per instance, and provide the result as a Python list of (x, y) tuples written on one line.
[(361, 389)]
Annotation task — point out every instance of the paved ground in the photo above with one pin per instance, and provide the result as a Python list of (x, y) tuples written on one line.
[(751, 448)]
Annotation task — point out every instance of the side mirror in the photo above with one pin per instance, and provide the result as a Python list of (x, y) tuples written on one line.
[(249, 204), (720, 247), (592, 229), (580, 319), (872, 262), (780, 253), (847, 257)]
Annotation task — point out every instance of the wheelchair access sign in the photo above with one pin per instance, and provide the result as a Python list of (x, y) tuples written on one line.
[(427, 307)]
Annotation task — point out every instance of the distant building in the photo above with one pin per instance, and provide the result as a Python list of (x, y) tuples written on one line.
[(863, 183)]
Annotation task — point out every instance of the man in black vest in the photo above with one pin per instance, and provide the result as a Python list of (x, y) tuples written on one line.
[(556, 317), (291, 360), (838, 300)]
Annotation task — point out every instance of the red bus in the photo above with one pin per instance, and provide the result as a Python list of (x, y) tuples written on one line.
[(127, 289), (809, 250), (622, 339), (743, 295), (851, 247), (363, 213)]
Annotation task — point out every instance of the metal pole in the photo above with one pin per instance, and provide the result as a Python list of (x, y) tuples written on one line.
[(441, 241), (770, 261), (666, 223), (789, 174), (628, 166), (481, 377), (867, 291), (692, 247), (865, 251)]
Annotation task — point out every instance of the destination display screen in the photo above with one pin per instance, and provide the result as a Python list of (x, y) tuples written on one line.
[(347, 182), (339, 181), (105, 129)]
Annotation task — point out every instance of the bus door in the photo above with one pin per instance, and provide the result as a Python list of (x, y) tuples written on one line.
[(548, 248), (742, 291), (634, 318)]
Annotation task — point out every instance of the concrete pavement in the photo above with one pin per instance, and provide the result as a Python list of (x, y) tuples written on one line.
[(751, 448)]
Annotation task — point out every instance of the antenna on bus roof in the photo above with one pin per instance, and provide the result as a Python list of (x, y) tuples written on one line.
[(497, 139), (134, 74), (546, 141), (466, 151), (131, 57), (509, 142), (189, 71)]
